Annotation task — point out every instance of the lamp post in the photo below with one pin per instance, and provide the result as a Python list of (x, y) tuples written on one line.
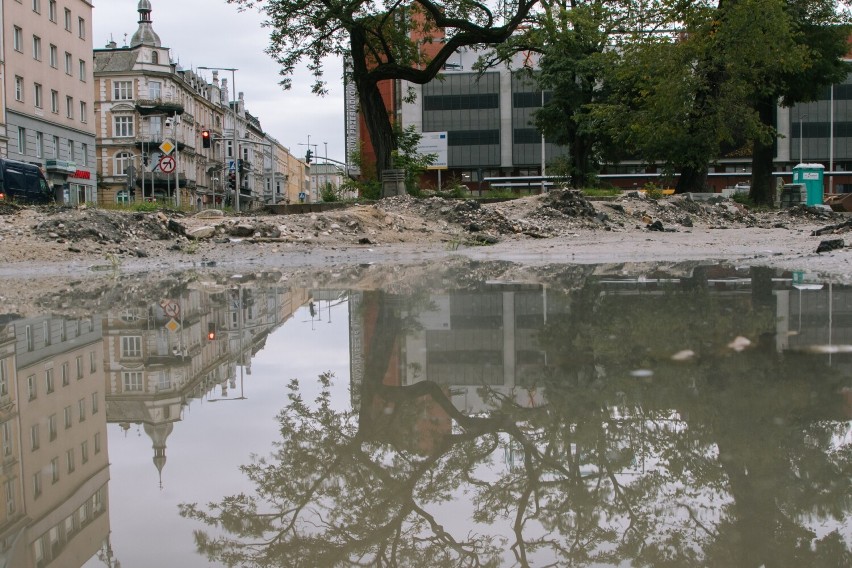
[(233, 71), (801, 136)]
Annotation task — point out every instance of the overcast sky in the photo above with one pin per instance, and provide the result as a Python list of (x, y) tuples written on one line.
[(213, 33)]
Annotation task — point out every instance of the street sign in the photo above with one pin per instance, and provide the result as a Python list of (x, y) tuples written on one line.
[(171, 308), (172, 326), (167, 147), (167, 164), (231, 165), (434, 143)]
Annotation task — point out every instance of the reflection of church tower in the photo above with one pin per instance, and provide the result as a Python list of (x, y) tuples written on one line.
[(145, 35), (158, 434)]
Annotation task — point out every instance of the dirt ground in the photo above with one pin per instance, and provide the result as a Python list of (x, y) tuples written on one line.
[(559, 227)]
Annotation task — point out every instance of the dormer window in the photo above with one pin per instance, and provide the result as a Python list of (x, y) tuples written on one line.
[(155, 58)]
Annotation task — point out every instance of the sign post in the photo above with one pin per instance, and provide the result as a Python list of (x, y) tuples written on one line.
[(434, 143)]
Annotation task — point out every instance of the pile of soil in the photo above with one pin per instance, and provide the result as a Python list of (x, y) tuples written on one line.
[(50, 234)]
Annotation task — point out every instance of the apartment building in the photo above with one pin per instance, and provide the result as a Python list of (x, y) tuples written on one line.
[(150, 114), (48, 92)]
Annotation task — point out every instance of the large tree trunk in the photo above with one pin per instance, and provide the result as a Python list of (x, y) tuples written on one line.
[(762, 183), (372, 106), (692, 179)]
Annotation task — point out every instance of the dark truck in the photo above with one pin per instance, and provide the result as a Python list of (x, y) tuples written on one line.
[(23, 182)]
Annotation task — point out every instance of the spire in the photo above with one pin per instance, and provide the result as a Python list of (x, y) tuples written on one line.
[(145, 35)]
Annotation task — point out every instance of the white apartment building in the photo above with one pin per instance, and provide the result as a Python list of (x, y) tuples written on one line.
[(48, 92)]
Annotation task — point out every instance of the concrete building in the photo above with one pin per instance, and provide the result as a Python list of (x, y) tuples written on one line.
[(150, 113), (327, 176), (48, 92)]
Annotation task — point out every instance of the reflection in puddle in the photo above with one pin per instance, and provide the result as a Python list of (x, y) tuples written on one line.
[(582, 416)]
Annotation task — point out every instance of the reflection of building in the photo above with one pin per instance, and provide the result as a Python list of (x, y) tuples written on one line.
[(59, 396), (12, 512), (161, 356)]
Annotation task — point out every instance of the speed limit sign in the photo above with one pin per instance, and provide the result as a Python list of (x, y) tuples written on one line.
[(167, 164)]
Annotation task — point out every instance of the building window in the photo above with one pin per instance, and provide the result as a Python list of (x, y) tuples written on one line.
[(72, 150), (122, 196), (69, 107), (22, 142), (84, 154), (122, 90), (93, 362), (56, 146), (18, 39), (32, 388), (97, 442), (34, 441), (6, 432), (132, 381), (84, 112), (68, 59), (9, 489), (67, 20), (45, 332), (37, 6), (131, 346), (123, 126), (4, 380), (67, 416), (83, 70), (51, 427), (54, 103), (81, 28), (54, 470), (36, 48), (49, 381), (154, 89), (155, 57), (36, 486), (30, 338), (79, 362), (51, 11), (95, 404), (54, 56), (66, 380), (84, 452), (123, 160), (39, 145), (37, 95), (19, 88), (69, 460), (81, 409)]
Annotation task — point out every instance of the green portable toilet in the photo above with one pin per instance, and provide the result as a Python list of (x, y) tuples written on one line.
[(810, 175)]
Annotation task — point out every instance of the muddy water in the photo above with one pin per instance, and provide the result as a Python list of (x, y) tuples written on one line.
[(595, 417)]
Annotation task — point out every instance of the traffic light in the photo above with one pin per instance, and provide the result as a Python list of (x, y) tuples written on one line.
[(241, 166), (211, 331), (205, 138), (232, 180), (308, 156)]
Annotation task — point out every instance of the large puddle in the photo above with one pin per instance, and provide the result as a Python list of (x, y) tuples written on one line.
[(444, 416)]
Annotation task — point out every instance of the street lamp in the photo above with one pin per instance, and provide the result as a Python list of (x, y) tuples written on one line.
[(236, 149), (801, 136)]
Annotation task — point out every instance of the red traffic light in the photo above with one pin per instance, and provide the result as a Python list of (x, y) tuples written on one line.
[(211, 331), (205, 138)]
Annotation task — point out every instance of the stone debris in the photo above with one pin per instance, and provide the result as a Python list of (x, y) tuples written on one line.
[(403, 219)]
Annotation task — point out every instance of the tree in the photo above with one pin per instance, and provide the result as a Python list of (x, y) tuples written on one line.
[(806, 49), (379, 42)]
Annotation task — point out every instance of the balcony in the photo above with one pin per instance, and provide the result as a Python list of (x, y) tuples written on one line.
[(60, 167), (166, 106), (161, 180)]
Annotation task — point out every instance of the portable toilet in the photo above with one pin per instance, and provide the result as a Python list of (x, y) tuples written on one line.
[(811, 176)]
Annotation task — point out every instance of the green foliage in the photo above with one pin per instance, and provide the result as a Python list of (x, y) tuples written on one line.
[(329, 193), (407, 158), (369, 189), (653, 191)]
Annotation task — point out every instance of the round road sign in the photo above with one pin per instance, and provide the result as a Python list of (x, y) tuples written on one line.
[(167, 164)]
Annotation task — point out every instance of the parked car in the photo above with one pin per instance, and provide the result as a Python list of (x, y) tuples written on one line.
[(23, 182)]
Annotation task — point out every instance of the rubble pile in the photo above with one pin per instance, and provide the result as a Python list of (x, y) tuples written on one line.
[(7, 208), (104, 226)]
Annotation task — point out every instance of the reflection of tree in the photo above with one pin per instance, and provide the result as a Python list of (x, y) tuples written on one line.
[(726, 460)]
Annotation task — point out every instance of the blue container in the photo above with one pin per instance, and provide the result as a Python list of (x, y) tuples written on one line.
[(811, 176)]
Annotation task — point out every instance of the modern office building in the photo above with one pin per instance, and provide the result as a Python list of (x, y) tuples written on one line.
[(48, 92)]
